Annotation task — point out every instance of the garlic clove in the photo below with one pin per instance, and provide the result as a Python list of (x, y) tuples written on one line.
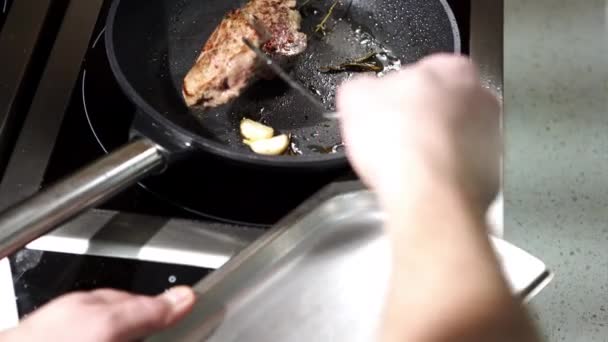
[(253, 130), (271, 147)]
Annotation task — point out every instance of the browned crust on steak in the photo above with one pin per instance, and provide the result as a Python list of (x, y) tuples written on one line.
[(226, 65)]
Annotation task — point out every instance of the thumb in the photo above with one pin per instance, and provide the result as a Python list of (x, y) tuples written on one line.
[(141, 316)]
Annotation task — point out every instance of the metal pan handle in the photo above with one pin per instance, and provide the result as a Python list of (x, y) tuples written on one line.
[(92, 185)]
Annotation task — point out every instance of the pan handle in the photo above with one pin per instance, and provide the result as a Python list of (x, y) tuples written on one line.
[(92, 185)]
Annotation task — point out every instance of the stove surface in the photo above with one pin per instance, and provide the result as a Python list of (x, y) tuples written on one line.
[(39, 276)]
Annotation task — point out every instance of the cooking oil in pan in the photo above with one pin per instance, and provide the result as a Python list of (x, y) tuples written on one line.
[(389, 63), (294, 149), (327, 149), (385, 56)]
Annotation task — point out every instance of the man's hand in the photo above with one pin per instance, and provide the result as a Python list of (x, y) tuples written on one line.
[(426, 139), (103, 315), (432, 119)]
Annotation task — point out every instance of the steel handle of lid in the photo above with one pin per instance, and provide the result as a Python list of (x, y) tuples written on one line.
[(39, 214)]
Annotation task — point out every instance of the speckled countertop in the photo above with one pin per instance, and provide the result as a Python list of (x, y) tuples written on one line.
[(556, 166)]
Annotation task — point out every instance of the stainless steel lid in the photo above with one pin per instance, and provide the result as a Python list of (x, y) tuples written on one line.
[(320, 275)]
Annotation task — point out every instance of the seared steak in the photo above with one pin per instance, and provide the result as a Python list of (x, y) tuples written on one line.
[(226, 65)]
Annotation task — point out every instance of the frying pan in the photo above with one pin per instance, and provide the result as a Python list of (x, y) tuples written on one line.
[(152, 44)]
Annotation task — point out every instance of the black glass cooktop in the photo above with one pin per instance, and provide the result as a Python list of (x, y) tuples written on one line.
[(38, 277)]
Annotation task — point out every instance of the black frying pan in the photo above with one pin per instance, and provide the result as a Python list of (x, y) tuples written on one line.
[(152, 44)]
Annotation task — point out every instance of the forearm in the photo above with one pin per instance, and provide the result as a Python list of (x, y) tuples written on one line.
[(447, 284)]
